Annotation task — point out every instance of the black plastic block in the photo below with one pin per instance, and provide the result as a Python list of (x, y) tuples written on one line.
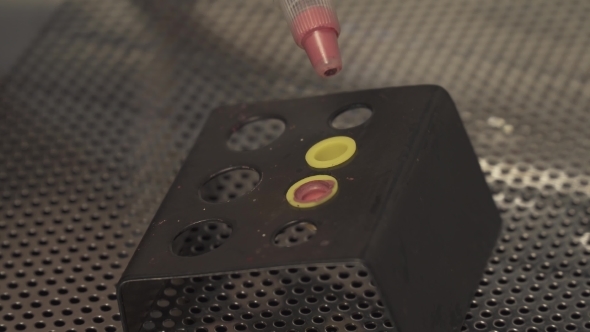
[(400, 247)]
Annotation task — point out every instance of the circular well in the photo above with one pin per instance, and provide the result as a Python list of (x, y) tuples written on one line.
[(331, 152), (352, 116), (201, 237), (229, 184), (312, 191), (295, 233), (256, 134)]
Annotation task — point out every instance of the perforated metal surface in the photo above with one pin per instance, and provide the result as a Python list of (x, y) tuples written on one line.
[(538, 277), (311, 299), (97, 116)]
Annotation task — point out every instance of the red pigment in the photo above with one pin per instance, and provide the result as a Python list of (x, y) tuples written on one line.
[(313, 191), (316, 30)]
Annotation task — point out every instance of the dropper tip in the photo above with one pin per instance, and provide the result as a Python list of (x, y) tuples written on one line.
[(322, 49)]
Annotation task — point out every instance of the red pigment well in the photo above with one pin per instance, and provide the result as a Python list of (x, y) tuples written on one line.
[(313, 191)]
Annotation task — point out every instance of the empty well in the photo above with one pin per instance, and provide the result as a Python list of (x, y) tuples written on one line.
[(229, 185), (201, 237), (256, 134), (352, 116)]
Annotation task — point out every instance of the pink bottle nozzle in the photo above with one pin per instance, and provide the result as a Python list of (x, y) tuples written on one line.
[(322, 49), (315, 28)]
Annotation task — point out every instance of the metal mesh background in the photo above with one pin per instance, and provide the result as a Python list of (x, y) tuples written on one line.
[(98, 115)]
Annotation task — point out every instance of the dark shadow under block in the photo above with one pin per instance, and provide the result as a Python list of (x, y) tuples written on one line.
[(400, 246)]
